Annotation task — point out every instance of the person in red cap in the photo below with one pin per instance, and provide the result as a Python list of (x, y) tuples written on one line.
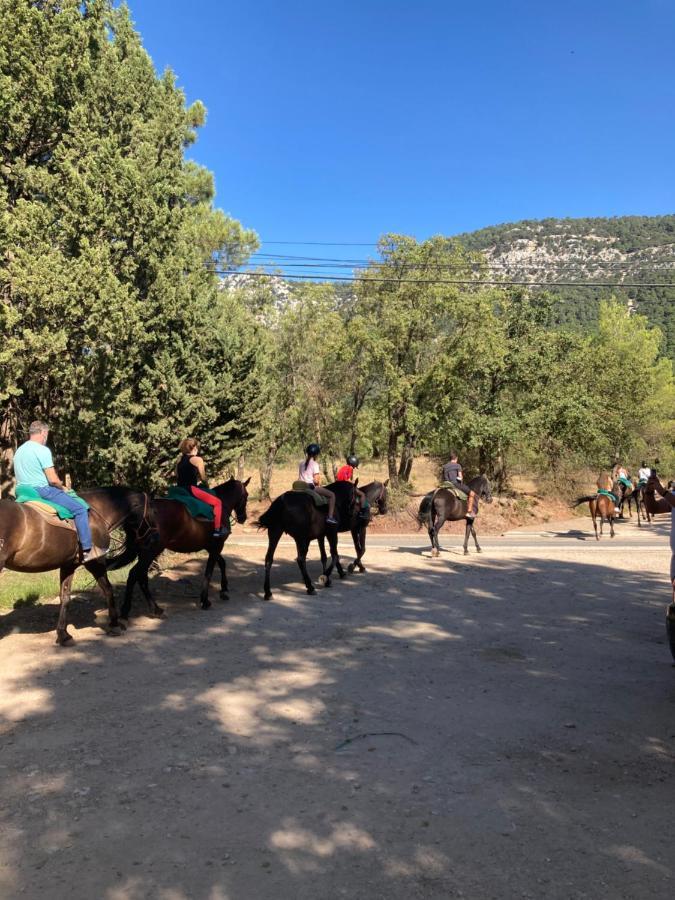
[(346, 473)]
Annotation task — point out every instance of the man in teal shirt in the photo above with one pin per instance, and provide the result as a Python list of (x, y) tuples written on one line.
[(34, 466)]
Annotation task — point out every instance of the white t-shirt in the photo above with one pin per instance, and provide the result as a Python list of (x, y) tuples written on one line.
[(307, 472), (643, 474)]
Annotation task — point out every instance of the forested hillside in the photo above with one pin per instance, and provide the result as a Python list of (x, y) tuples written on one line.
[(630, 250)]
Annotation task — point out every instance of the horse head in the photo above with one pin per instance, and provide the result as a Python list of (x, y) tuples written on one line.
[(234, 495), (483, 489), (381, 499)]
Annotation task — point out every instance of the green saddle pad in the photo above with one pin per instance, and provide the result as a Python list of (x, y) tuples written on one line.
[(458, 492), (25, 493), (626, 482), (196, 508), (611, 496), (303, 488)]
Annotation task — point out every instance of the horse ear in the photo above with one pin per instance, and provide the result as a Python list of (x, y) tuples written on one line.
[(356, 483), (245, 483), (386, 482), (231, 477)]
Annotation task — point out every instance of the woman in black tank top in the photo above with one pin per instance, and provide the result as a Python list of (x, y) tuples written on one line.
[(189, 472)]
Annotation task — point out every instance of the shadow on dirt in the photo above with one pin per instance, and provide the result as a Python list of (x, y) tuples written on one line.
[(495, 728)]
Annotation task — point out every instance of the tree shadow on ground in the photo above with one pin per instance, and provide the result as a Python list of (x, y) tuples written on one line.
[(492, 729)]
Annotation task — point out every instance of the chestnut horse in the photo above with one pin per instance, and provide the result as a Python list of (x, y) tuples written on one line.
[(178, 530), (29, 543), (601, 507)]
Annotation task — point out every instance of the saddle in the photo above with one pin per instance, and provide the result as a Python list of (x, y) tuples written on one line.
[(197, 508), (49, 514), (458, 492), (301, 487), (609, 494)]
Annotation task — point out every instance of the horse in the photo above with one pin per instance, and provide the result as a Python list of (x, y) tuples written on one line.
[(29, 543), (376, 494), (179, 531), (296, 514), (442, 505), (602, 506)]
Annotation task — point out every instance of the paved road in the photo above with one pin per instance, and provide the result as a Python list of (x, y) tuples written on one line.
[(572, 533)]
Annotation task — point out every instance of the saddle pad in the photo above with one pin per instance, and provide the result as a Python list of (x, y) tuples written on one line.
[(609, 494), (26, 493), (301, 487), (196, 508), (458, 492), (49, 514)]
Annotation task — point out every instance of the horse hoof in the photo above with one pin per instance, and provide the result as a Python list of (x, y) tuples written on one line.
[(351, 567), (478, 550), (311, 590), (205, 604), (323, 580), (434, 553), (64, 640), (362, 568), (123, 624), (224, 596), (267, 597), (466, 553), (114, 631)]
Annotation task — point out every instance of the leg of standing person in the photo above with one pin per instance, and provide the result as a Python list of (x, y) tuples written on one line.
[(81, 515)]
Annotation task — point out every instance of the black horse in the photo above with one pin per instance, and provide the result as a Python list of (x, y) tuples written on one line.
[(296, 513), (442, 506), (376, 494)]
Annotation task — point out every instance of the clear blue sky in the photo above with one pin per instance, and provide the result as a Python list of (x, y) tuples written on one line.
[(340, 121)]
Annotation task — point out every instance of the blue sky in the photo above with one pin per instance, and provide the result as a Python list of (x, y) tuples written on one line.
[(342, 121)]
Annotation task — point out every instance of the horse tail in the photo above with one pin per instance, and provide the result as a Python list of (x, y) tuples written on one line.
[(139, 526), (127, 553), (426, 511), (585, 499)]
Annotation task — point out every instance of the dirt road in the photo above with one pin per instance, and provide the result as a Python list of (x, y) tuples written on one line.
[(500, 726)]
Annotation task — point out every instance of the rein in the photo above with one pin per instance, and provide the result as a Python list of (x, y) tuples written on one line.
[(141, 532)]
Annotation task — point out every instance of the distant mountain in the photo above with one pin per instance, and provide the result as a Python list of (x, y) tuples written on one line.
[(628, 250)]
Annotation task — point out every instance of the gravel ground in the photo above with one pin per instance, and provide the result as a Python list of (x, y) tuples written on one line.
[(500, 726)]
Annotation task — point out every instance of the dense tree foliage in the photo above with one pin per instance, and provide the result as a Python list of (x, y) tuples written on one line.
[(114, 328)]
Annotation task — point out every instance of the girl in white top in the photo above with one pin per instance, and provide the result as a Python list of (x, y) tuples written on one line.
[(309, 471), (644, 472)]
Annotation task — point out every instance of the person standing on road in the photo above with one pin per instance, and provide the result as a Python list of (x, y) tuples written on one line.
[(669, 497), (34, 467)]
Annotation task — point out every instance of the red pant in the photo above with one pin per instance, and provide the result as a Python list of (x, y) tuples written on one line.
[(212, 501)]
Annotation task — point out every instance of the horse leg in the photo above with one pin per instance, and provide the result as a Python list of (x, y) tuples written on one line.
[(362, 551), (139, 574), (591, 507), (303, 547), (66, 577), (204, 601), (273, 538), (224, 589), (467, 532), (325, 568), (437, 529), (611, 525), (475, 539), (334, 555), (99, 571)]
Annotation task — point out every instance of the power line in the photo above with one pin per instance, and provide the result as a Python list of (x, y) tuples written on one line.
[(457, 281)]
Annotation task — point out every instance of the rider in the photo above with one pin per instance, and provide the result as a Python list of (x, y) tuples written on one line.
[(620, 474), (643, 473), (605, 483), (34, 467), (669, 496), (310, 473), (452, 473), (346, 473), (190, 473)]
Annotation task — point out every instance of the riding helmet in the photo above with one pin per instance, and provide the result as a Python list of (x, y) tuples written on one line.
[(312, 449), (353, 461)]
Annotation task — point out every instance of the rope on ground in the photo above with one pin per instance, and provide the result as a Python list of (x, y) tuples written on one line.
[(358, 737)]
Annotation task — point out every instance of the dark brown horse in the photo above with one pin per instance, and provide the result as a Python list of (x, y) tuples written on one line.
[(376, 494), (29, 543), (179, 531), (442, 505), (296, 513)]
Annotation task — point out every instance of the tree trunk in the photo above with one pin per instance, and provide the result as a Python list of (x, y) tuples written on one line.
[(266, 472), (240, 468), (407, 457), (8, 442), (392, 447)]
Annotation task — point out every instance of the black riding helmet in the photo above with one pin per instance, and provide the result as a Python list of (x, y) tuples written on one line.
[(353, 461), (312, 450)]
